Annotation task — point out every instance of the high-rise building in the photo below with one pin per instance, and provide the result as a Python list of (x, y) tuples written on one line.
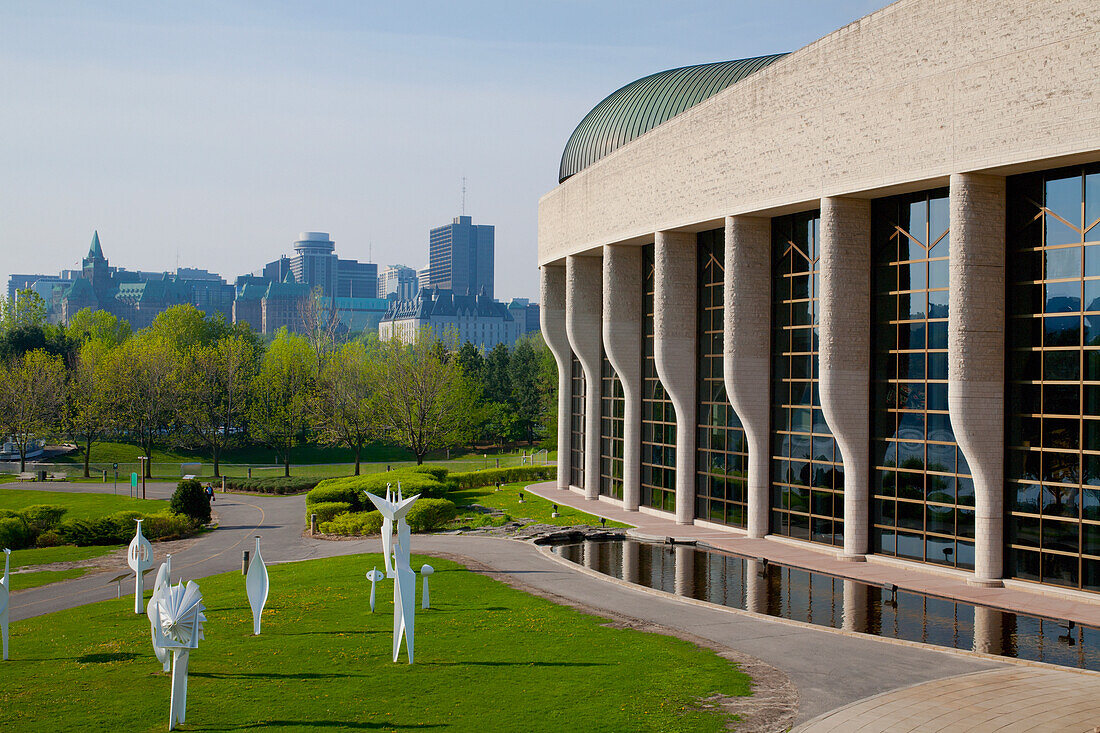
[(356, 279), (424, 277), (461, 257), (314, 263), (399, 281)]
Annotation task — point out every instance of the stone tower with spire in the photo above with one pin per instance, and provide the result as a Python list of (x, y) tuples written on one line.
[(96, 270)]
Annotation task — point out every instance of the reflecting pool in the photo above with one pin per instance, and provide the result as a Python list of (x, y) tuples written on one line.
[(816, 598)]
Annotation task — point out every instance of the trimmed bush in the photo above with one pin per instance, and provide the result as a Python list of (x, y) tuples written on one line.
[(190, 500), (117, 529), (166, 526), (439, 472), (428, 515), (14, 533), (334, 490), (326, 510), (281, 485), (489, 476), (356, 523), (351, 489), (42, 517), (48, 539)]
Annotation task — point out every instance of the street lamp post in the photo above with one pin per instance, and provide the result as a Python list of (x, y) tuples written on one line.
[(143, 459)]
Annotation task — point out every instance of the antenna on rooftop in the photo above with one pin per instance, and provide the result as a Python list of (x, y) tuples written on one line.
[(464, 195)]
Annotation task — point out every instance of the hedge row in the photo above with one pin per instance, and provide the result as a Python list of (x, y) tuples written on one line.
[(272, 485), (427, 483), (426, 515), (39, 525), (489, 476)]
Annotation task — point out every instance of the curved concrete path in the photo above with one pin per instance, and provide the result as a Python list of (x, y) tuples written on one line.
[(830, 670)]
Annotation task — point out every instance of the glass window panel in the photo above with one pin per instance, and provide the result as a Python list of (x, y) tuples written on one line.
[(1063, 262)]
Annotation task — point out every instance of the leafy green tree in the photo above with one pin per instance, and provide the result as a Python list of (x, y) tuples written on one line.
[(525, 399), (473, 363), (345, 411), (183, 327), (98, 325), (215, 385), (144, 390), (32, 387), (191, 501), (88, 399), (547, 385), (26, 310), (281, 394), (426, 401), (497, 380)]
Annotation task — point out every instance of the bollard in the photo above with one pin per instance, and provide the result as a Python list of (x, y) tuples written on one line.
[(250, 471), (244, 562), (313, 524), (223, 484), (105, 475)]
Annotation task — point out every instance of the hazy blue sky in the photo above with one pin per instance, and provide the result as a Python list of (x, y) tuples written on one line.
[(215, 131)]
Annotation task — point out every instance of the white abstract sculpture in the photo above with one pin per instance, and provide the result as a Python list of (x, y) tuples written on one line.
[(387, 535), (373, 576), (179, 614), (404, 587), (160, 586), (5, 584), (425, 572), (256, 585), (140, 557)]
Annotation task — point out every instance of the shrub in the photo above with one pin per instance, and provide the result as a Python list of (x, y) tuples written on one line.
[(439, 472), (49, 538), (167, 526), (488, 476), (427, 515), (42, 517), (326, 510), (273, 485), (14, 533), (351, 488), (356, 523), (116, 529), (190, 500), (334, 490)]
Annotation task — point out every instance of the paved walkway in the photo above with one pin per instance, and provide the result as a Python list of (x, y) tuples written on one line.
[(996, 701), (948, 584)]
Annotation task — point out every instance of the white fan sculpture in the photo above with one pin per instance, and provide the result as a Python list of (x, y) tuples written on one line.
[(140, 558), (179, 619), (404, 586), (255, 584), (163, 582), (5, 584)]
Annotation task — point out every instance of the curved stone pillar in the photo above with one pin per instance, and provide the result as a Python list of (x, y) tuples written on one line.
[(622, 342), (583, 325), (845, 354), (675, 295), (747, 363), (975, 355), (552, 321)]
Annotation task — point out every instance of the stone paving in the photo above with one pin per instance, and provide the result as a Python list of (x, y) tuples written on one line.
[(1010, 700), (946, 583)]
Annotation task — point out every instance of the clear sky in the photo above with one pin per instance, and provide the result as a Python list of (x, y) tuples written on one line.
[(210, 132)]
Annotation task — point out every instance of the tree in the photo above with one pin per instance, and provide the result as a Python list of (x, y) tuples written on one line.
[(473, 363), (87, 412), (142, 377), (547, 384), (344, 408), (281, 394), (98, 325), (182, 327), (214, 382), (32, 387), (525, 400), (320, 325), (498, 387), (25, 310), (427, 403)]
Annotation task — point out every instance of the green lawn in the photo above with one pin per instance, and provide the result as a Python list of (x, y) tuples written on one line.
[(81, 506), (22, 581), (65, 553), (507, 499), (488, 658)]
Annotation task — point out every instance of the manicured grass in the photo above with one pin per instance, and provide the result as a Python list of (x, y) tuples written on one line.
[(533, 507), (81, 506), (22, 581), (488, 658), (64, 553)]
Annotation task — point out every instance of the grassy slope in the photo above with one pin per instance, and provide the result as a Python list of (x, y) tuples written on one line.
[(533, 507), (22, 581), (81, 506), (66, 553), (488, 658)]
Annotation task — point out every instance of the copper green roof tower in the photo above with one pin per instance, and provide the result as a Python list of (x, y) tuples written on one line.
[(96, 270)]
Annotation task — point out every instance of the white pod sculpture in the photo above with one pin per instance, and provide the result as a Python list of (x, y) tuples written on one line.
[(256, 585), (140, 558), (179, 614), (404, 587), (373, 576), (425, 573), (5, 584), (163, 582)]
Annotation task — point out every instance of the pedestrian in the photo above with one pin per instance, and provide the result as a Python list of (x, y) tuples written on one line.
[(210, 493)]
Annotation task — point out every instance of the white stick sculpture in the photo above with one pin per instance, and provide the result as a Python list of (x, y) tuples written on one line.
[(425, 572), (256, 585), (160, 587), (5, 584), (387, 535), (140, 557), (404, 587), (179, 613), (373, 576)]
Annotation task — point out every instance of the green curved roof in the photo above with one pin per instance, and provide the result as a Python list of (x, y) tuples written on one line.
[(643, 104)]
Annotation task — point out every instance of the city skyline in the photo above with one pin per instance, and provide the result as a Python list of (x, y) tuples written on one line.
[(213, 133)]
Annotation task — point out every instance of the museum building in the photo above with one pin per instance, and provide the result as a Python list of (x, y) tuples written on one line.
[(847, 296)]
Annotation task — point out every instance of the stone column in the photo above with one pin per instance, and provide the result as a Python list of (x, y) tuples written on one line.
[(684, 578), (855, 606), (975, 356), (845, 354), (674, 345), (583, 318), (631, 561), (747, 362), (552, 321), (622, 342), (756, 587), (988, 629)]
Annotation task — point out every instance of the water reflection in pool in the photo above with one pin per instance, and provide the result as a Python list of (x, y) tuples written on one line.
[(786, 592)]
